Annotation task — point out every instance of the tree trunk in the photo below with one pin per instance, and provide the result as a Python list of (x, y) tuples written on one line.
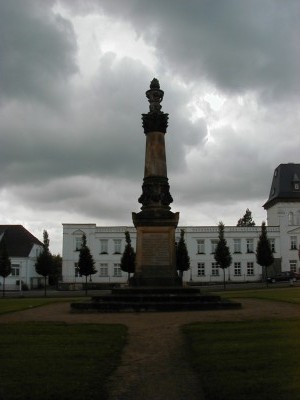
[(266, 275), (224, 282), (86, 285), (45, 288), (3, 289)]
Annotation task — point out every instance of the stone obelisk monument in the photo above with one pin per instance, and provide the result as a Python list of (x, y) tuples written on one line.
[(155, 223)]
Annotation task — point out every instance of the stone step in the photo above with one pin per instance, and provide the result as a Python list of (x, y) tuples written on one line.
[(127, 306)]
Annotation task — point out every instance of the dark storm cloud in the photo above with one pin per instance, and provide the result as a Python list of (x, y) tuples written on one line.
[(96, 134), (37, 50)]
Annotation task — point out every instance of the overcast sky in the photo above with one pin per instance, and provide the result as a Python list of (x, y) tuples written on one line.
[(73, 76)]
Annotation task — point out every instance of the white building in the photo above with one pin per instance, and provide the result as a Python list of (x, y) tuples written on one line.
[(283, 216), (23, 249)]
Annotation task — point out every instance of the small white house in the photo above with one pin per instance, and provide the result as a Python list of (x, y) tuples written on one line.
[(23, 249)]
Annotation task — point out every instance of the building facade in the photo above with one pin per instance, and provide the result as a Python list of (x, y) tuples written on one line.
[(283, 216), (23, 249)]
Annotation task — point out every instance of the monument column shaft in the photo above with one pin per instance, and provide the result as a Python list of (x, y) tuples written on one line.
[(155, 224), (155, 159)]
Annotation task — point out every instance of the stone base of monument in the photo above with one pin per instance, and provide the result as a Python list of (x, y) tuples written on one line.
[(154, 299), (156, 276)]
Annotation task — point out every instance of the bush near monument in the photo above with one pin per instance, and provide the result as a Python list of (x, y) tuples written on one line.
[(182, 256), (128, 257)]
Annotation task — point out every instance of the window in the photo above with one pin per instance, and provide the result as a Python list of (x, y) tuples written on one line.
[(236, 245), (250, 245), (117, 244), (214, 244), (78, 243), (15, 270), (76, 271), (103, 270), (272, 244), (117, 270), (103, 246), (201, 269), (293, 265), (250, 268), (237, 269), (298, 217), (293, 242), (214, 269), (200, 246), (291, 218)]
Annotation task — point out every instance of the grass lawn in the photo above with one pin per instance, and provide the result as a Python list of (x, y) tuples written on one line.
[(287, 294), (249, 360), (57, 360), (246, 360), (18, 304)]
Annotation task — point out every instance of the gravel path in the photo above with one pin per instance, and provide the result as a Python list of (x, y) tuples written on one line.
[(154, 365)]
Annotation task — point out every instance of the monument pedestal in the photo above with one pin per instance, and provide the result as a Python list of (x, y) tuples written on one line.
[(155, 249)]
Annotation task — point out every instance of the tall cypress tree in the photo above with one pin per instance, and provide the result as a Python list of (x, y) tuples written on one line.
[(128, 257), (182, 256), (222, 253), (264, 255), (44, 261), (86, 263), (5, 264)]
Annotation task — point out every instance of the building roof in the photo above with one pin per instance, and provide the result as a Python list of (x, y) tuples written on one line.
[(285, 185), (18, 240)]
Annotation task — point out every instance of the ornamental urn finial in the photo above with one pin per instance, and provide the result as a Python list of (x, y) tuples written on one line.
[(155, 96)]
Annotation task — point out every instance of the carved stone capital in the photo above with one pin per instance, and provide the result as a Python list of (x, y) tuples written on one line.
[(155, 122)]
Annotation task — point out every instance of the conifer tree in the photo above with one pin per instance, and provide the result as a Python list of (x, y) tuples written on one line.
[(44, 261), (128, 257), (5, 264), (222, 253), (86, 263), (264, 255), (182, 256), (246, 220)]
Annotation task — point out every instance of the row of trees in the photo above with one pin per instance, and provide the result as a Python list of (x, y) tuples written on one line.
[(264, 254), (49, 266), (86, 264)]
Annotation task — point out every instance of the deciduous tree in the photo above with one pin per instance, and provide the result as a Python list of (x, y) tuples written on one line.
[(5, 263), (182, 256), (128, 257), (44, 262), (222, 253), (264, 255), (86, 263), (246, 220)]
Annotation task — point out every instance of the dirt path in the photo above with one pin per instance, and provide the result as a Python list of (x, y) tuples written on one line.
[(154, 365)]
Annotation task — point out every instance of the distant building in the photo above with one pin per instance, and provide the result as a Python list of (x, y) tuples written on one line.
[(283, 217), (23, 249)]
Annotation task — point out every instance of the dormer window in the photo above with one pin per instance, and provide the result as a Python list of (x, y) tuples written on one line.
[(296, 183)]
